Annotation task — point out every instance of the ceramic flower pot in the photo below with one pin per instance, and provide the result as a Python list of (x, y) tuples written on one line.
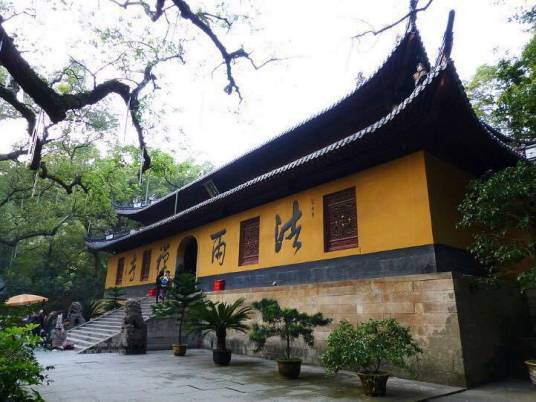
[(374, 384), (289, 368), (178, 349), (531, 365), (221, 357)]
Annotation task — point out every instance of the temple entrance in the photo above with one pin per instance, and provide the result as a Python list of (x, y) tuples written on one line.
[(187, 256)]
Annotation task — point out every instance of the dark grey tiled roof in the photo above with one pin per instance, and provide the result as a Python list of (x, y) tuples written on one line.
[(289, 131), (285, 168)]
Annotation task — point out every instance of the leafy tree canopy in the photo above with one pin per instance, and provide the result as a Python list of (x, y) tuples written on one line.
[(44, 222), (500, 208), (504, 94)]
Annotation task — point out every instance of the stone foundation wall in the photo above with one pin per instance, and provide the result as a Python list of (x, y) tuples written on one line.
[(492, 320), (436, 307), (162, 333)]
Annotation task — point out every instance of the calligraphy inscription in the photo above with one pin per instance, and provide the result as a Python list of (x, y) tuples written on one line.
[(161, 261), (291, 227), (132, 270), (218, 246)]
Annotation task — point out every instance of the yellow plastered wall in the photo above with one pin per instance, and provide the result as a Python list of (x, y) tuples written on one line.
[(392, 209), (446, 187)]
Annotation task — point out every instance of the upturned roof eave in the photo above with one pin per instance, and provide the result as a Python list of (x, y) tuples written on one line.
[(137, 212)]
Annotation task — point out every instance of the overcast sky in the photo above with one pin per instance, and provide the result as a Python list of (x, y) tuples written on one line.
[(320, 66)]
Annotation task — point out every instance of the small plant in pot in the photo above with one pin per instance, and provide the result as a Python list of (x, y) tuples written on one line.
[(183, 296), (367, 348), (289, 324), (218, 318), (531, 366)]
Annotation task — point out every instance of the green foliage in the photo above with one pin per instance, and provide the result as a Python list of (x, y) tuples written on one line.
[(114, 298), (505, 94), (12, 316), (183, 296), (287, 323), (220, 317), (59, 266), (18, 365), (369, 346), (93, 308), (501, 210)]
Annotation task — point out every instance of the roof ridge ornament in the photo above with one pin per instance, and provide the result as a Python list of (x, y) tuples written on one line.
[(412, 20), (448, 38)]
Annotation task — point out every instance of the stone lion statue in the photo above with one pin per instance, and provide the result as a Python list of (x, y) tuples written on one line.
[(133, 330), (74, 314)]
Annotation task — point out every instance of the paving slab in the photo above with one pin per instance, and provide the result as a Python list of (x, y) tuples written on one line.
[(161, 377), (512, 390)]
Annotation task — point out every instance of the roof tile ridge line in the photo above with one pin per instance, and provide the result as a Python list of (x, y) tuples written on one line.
[(489, 132), (423, 48), (304, 159), (293, 127)]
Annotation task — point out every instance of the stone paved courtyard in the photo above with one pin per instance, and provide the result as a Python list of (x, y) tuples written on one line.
[(161, 377)]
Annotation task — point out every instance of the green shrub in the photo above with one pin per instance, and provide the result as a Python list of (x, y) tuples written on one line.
[(183, 295), (287, 323), (19, 368), (113, 299), (369, 346), (218, 318)]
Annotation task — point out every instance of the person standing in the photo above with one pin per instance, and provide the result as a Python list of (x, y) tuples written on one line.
[(164, 283), (158, 285)]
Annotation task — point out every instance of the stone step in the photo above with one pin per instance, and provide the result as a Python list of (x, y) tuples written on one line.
[(98, 330), (86, 338), (105, 325), (80, 344), (111, 320), (99, 333)]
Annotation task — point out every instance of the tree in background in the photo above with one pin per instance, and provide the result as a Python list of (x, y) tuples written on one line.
[(44, 222), (120, 60), (500, 207)]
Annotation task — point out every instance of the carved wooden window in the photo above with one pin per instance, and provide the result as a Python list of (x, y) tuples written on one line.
[(340, 220), (120, 271), (249, 242), (146, 265)]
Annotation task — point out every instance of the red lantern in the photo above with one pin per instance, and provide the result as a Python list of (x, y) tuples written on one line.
[(218, 285)]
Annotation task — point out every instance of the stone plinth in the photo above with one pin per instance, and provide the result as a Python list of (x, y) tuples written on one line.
[(464, 331)]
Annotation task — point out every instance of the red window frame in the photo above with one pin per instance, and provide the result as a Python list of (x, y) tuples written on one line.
[(248, 251), (120, 271), (340, 220), (145, 265)]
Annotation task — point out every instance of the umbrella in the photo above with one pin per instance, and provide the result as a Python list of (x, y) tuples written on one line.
[(23, 300)]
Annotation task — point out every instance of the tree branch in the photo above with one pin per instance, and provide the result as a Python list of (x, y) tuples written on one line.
[(35, 233), (228, 58), (77, 181), (56, 105), (11, 193), (411, 14), (26, 112)]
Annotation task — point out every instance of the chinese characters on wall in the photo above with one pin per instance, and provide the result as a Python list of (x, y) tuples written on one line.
[(289, 230), (132, 269), (161, 261), (291, 226), (218, 246)]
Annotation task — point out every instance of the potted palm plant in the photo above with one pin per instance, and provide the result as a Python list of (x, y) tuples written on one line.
[(218, 318), (366, 349), (289, 324), (183, 295)]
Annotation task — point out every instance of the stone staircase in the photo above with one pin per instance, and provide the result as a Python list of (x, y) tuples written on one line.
[(102, 334)]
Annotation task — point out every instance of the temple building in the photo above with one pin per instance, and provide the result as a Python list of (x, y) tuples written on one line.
[(352, 212)]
